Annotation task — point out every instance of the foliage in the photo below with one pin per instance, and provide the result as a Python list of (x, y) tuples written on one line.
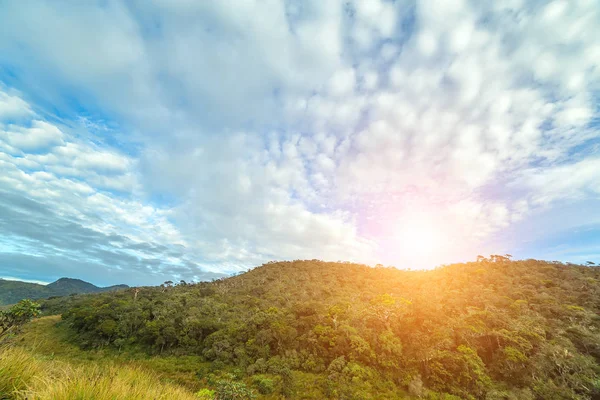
[(231, 390), (22, 312), (495, 329), (264, 384)]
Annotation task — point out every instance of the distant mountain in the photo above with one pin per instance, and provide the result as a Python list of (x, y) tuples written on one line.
[(13, 291), (70, 285)]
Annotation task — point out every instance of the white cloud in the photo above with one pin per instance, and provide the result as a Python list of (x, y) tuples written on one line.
[(574, 180), (342, 82), (12, 106), (40, 136), (428, 43), (370, 80), (270, 140)]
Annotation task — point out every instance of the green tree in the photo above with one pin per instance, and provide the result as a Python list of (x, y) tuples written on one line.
[(19, 314)]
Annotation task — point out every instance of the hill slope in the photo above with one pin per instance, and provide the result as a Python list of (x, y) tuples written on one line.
[(13, 291), (41, 364), (494, 330)]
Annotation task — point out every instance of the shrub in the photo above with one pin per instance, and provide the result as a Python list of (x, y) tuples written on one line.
[(19, 314), (263, 384), (230, 390)]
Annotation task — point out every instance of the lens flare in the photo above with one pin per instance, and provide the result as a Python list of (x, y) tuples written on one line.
[(420, 238)]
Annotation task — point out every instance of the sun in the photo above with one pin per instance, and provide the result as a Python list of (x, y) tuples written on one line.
[(419, 238)]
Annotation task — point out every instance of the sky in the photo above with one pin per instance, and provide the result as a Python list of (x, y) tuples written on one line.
[(152, 140)]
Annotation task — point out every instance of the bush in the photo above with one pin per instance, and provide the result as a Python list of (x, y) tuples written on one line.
[(19, 314), (263, 384), (229, 390)]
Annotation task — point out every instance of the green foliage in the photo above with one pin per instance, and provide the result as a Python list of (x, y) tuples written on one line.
[(263, 384), (231, 390), (22, 312), (492, 329)]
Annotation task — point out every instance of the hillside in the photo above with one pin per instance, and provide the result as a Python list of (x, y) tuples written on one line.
[(494, 329), (13, 291), (41, 364)]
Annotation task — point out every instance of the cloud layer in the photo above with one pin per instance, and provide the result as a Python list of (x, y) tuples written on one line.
[(177, 139)]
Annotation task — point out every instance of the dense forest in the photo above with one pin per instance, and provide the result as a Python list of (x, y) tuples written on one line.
[(13, 291), (491, 329)]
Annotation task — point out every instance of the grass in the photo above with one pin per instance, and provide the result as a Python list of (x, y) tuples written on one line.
[(47, 339), (24, 377), (17, 371), (41, 364)]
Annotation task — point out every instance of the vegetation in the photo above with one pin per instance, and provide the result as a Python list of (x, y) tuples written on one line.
[(42, 357), (14, 291), (22, 312), (22, 376), (491, 329)]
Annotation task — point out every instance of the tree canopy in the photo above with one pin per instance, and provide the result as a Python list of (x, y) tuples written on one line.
[(491, 329)]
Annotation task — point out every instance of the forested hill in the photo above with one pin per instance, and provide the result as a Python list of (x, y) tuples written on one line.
[(483, 330), (13, 291)]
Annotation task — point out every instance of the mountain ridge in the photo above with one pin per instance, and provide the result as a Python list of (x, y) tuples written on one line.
[(14, 291)]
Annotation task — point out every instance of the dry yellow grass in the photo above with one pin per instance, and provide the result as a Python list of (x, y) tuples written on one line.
[(23, 376), (46, 340), (17, 370)]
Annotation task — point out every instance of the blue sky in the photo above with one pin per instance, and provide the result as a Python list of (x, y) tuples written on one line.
[(142, 141)]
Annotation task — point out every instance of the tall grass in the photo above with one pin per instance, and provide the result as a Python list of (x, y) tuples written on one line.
[(48, 340), (17, 371), (24, 377)]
